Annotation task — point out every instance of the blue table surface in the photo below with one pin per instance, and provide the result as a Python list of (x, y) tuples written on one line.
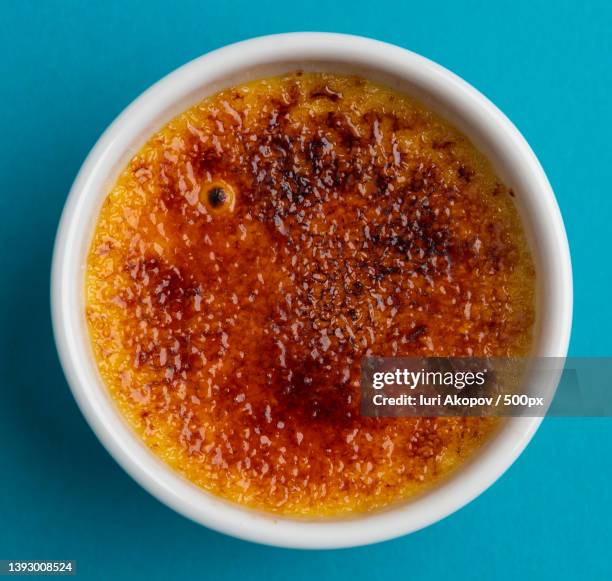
[(68, 68)]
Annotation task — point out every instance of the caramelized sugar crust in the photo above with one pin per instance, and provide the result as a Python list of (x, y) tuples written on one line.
[(260, 245)]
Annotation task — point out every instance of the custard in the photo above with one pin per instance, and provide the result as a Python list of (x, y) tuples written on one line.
[(259, 246)]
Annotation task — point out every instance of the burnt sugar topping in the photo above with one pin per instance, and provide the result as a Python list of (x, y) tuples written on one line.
[(261, 244)]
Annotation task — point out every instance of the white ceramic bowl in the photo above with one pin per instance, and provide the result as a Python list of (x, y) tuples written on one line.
[(439, 89)]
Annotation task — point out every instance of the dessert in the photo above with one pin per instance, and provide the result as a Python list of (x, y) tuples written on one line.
[(259, 246)]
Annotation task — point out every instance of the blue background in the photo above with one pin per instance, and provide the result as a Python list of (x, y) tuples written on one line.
[(67, 69)]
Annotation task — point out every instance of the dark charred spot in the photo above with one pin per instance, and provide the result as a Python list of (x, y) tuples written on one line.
[(216, 197), (443, 144), (416, 333), (465, 173), (327, 92)]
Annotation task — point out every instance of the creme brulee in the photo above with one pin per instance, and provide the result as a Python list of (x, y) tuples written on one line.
[(261, 244)]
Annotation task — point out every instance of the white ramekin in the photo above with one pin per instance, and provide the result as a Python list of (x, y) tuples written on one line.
[(439, 89)]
